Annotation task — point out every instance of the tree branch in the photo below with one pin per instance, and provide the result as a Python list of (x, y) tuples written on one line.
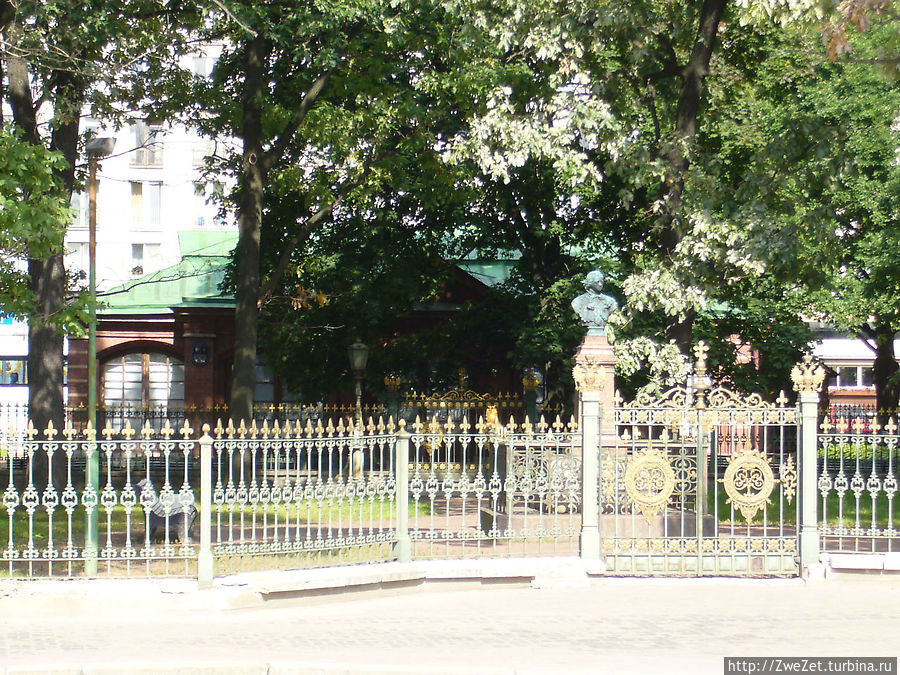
[(19, 89), (285, 258), (231, 16), (284, 139), (867, 334)]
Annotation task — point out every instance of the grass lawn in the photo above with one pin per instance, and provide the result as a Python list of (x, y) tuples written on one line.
[(116, 522), (833, 506)]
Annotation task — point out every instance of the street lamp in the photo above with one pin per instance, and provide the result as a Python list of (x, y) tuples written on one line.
[(358, 353), (96, 149)]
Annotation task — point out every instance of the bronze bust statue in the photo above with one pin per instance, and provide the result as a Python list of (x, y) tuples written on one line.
[(593, 306)]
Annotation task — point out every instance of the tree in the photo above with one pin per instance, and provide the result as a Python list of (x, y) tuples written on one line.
[(330, 113), (847, 110), (33, 218), (581, 146), (585, 151), (633, 86), (53, 56)]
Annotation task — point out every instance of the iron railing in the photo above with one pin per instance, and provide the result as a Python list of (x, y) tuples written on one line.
[(125, 501), (857, 480), (693, 483)]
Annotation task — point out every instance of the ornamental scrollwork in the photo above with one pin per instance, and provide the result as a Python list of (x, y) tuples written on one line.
[(650, 481), (676, 397), (788, 478), (749, 482)]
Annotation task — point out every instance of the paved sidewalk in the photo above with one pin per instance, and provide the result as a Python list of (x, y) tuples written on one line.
[(610, 626)]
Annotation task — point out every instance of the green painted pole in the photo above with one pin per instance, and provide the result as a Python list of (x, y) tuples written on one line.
[(808, 377), (205, 562), (807, 507), (92, 467), (403, 547)]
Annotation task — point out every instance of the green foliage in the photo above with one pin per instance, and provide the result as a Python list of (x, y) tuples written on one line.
[(34, 214), (542, 134), (850, 453)]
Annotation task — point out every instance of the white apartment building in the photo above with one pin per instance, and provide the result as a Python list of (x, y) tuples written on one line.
[(150, 189)]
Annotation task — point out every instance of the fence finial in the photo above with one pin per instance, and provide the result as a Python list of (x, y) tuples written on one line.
[(90, 433), (69, 431), (51, 431), (808, 375)]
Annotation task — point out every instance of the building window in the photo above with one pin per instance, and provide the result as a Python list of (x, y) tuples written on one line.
[(147, 139), (867, 376), (146, 203), (209, 203), (137, 259), (264, 391), (854, 377), (201, 149), (77, 257), (13, 371), (202, 66), (80, 206), (145, 380)]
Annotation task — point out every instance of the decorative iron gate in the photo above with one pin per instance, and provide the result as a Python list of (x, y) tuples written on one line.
[(699, 481)]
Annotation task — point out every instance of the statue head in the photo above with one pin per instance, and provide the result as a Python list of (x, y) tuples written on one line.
[(593, 282), (593, 306)]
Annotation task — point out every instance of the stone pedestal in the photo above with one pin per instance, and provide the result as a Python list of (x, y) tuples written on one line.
[(595, 365), (596, 360)]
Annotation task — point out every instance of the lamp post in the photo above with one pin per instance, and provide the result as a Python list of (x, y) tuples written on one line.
[(96, 149), (358, 354)]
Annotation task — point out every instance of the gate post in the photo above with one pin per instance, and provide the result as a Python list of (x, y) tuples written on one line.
[(593, 373), (590, 474), (403, 547), (204, 556), (808, 377)]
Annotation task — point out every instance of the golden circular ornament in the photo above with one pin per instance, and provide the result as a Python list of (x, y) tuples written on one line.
[(649, 481), (749, 481)]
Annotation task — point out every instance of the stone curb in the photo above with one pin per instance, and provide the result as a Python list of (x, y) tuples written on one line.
[(42, 598), (254, 668)]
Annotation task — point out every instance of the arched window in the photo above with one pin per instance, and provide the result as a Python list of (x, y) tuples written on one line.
[(145, 380)]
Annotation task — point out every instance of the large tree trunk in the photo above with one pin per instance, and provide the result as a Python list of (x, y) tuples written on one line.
[(686, 131), (45, 363), (251, 189), (885, 369), (47, 278)]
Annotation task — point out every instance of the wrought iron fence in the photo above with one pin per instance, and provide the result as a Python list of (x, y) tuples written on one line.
[(113, 503), (124, 501), (857, 482), (15, 415), (301, 496), (700, 481), (500, 491)]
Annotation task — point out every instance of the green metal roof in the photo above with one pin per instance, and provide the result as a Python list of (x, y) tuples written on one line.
[(193, 281), (488, 273)]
